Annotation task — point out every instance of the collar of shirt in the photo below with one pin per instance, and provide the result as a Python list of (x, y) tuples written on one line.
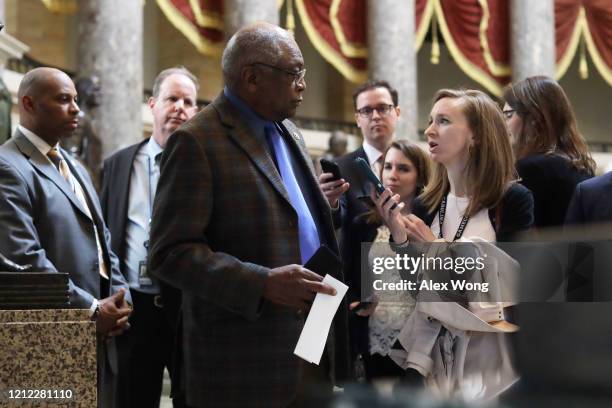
[(372, 152), (152, 149), (40, 144), (255, 122)]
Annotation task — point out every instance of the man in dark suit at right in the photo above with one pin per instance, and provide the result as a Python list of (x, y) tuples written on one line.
[(376, 114), (129, 184), (592, 201)]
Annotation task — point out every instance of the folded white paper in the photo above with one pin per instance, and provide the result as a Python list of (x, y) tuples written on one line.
[(311, 343)]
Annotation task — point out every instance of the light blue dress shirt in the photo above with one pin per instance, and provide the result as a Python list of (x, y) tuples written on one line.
[(143, 185)]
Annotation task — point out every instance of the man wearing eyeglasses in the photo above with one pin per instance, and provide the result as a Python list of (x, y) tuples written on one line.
[(237, 213), (376, 114)]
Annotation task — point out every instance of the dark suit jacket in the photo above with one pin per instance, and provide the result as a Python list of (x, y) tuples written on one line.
[(221, 220), (115, 196), (353, 232), (350, 209), (44, 224), (592, 201)]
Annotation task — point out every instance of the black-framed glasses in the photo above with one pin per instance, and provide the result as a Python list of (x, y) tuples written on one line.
[(297, 76), (367, 111), (508, 113)]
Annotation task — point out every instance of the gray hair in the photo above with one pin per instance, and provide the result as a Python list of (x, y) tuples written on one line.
[(180, 70), (258, 42)]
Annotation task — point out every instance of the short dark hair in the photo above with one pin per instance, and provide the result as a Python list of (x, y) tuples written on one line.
[(181, 70), (373, 84)]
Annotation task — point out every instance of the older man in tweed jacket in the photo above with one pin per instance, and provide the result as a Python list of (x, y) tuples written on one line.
[(230, 232)]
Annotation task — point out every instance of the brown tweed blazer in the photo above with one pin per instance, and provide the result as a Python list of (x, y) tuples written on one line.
[(221, 220)]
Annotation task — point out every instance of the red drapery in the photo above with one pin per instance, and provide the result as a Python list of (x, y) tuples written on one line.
[(476, 32), (201, 21), (338, 30)]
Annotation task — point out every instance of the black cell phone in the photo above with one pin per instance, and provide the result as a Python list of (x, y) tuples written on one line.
[(329, 166), (324, 261), (369, 175)]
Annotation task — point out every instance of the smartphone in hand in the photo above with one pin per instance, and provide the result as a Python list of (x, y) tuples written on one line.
[(329, 166), (369, 175)]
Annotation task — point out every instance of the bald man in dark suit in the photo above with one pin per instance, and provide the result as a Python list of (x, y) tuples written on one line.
[(237, 212)]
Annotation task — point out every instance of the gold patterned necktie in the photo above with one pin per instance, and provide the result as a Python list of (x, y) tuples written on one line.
[(61, 165)]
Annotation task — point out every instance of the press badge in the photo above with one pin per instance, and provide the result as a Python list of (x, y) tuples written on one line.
[(143, 274)]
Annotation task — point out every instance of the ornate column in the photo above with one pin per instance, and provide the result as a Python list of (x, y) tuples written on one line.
[(532, 38), (237, 13), (392, 56), (110, 47)]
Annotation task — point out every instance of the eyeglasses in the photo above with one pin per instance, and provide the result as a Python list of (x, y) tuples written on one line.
[(383, 110), (297, 76), (508, 113)]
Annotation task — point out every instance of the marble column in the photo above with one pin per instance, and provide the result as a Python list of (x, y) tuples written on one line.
[(110, 47), (237, 13), (532, 38), (2, 12), (392, 56)]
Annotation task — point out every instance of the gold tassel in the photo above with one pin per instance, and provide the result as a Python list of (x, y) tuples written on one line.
[(435, 43), (290, 22), (583, 67)]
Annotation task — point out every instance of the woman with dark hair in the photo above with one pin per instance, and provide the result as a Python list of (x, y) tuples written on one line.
[(460, 348), (405, 171), (552, 156)]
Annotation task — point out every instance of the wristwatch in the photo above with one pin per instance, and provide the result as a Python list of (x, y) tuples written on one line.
[(95, 314)]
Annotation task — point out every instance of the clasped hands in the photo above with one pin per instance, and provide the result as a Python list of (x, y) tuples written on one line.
[(114, 312)]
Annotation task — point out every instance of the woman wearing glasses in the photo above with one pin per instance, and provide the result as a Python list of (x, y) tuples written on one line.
[(472, 197), (552, 155)]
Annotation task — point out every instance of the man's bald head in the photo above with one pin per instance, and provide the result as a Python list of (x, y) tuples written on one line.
[(257, 42), (47, 104), (37, 81)]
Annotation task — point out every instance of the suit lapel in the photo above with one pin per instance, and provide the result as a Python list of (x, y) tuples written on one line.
[(87, 188), (46, 168), (297, 146), (242, 135)]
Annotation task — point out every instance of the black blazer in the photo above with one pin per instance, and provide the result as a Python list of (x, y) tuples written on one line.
[(512, 215), (350, 209), (552, 179), (115, 195), (592, 201)]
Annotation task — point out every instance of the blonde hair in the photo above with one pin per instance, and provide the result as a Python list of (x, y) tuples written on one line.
[(490, 166)]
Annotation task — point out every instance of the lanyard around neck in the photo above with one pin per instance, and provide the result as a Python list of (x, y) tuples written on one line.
[(441, 216)]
